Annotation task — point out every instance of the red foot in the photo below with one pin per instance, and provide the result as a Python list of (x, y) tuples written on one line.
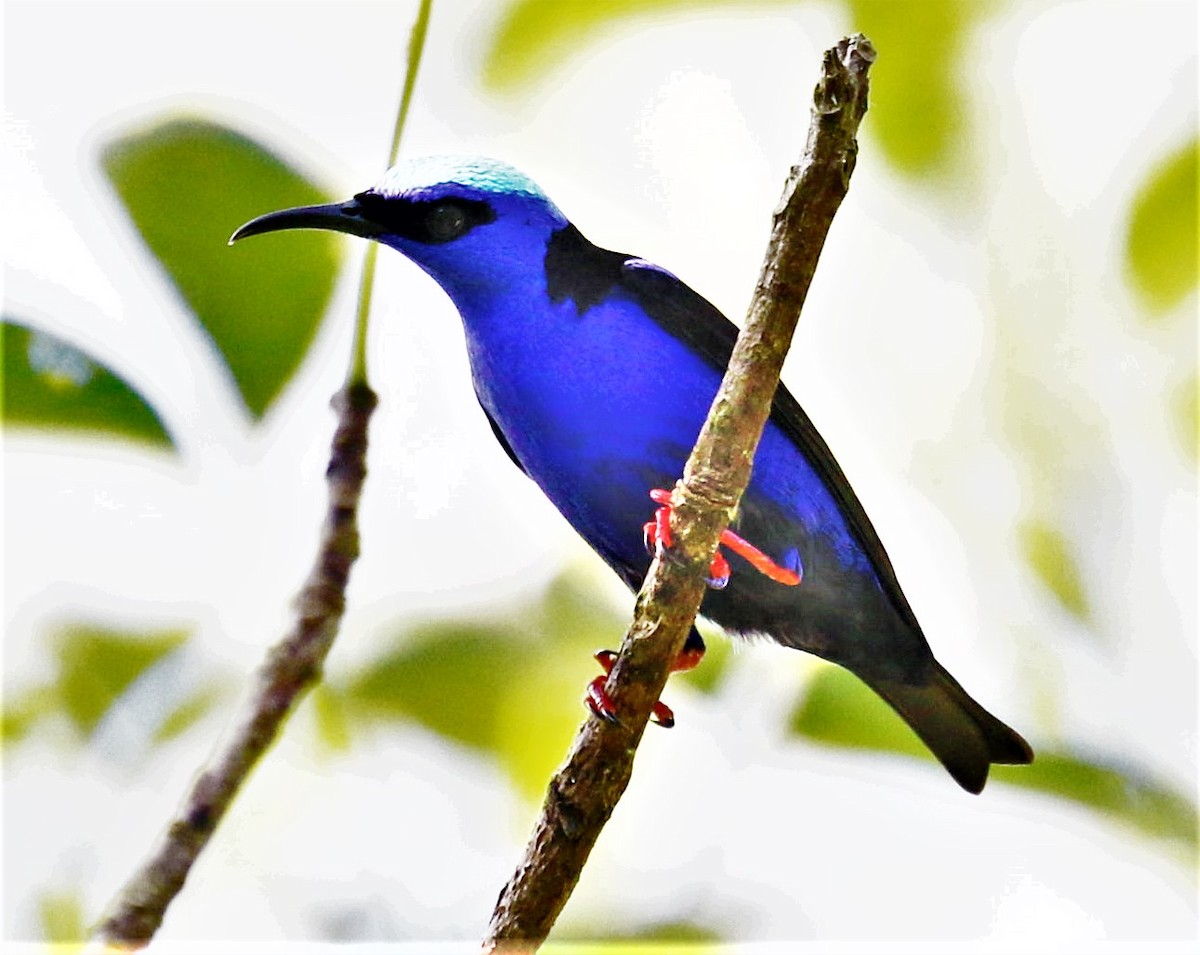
[(600, 703), (657, 535)]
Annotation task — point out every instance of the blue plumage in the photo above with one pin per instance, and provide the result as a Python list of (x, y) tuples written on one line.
[(597, 369)]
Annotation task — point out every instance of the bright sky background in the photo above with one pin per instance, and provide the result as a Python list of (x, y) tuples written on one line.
[(666, 141)]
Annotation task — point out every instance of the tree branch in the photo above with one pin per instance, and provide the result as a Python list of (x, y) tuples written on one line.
[(290, 669), (293, 664), (585, 790)]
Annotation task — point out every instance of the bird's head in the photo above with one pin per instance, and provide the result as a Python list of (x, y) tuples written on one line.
[(475, 225)]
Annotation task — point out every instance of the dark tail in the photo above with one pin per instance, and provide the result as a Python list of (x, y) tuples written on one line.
[(964, 736)]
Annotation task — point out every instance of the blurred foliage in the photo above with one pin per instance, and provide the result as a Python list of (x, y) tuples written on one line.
[(839, 709), (1051, 557), (331, 720), (1059, 440), (199, 703), (1161, 251), (187, 184), (94, 666), (918, 113), (1186, 408), (448, 677), (50, 385), (535, 37), (661, 938), (24, 709), (62, 918), (1121, 792), (510, 686)]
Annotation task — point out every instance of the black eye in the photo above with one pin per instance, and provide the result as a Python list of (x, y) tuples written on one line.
[(431, 221), (445, 221)]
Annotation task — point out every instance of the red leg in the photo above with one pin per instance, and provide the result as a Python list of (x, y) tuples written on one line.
[(718, 571), (688, 659), (596, 697), (657, 535), (758, 560), (600, 703)]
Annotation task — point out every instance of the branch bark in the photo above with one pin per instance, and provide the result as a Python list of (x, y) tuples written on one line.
[(294, 664), (290, 669), (585, 790)]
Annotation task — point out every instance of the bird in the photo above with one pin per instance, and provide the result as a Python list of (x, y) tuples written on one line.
[(595, 370)]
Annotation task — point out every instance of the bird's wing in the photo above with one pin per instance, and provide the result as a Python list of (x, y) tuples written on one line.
[(696, 322)]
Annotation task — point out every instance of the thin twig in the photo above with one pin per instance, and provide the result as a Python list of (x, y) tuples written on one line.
[(366, 286), (584, 792), (294, 664), (291, 667)]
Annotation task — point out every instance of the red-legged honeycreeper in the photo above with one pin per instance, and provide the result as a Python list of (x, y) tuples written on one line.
[(596, 370)]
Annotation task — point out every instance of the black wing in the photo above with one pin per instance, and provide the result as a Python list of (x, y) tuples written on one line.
[(696, 322), (512, 455)]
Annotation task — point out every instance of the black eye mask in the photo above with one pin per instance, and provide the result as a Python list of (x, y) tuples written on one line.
[(430, 221)]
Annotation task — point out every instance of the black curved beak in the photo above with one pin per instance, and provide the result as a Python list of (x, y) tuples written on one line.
[(337, 217)]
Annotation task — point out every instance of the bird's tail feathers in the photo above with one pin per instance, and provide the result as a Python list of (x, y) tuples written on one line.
[(964, 736)]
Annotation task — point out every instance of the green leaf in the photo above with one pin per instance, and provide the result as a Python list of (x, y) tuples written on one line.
[(511, 687), (1186, 408), (1161, 254), (62, 918), (538, 714), (188, 184), (484, 685), (190, 710), (333, 726), (96, 665), (1051, 557), (24, 710), (659, 938), (1122, 792), (536, 36), (839, 709), (448, 677), (50, 385), (918, 110)]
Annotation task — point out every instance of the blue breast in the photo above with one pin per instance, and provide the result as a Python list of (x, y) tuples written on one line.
[(598, 372), (600, 407)]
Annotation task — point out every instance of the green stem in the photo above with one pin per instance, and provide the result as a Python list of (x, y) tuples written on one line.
[(416, 49)]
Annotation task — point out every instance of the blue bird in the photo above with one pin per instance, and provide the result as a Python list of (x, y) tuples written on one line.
[(596, 370)]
